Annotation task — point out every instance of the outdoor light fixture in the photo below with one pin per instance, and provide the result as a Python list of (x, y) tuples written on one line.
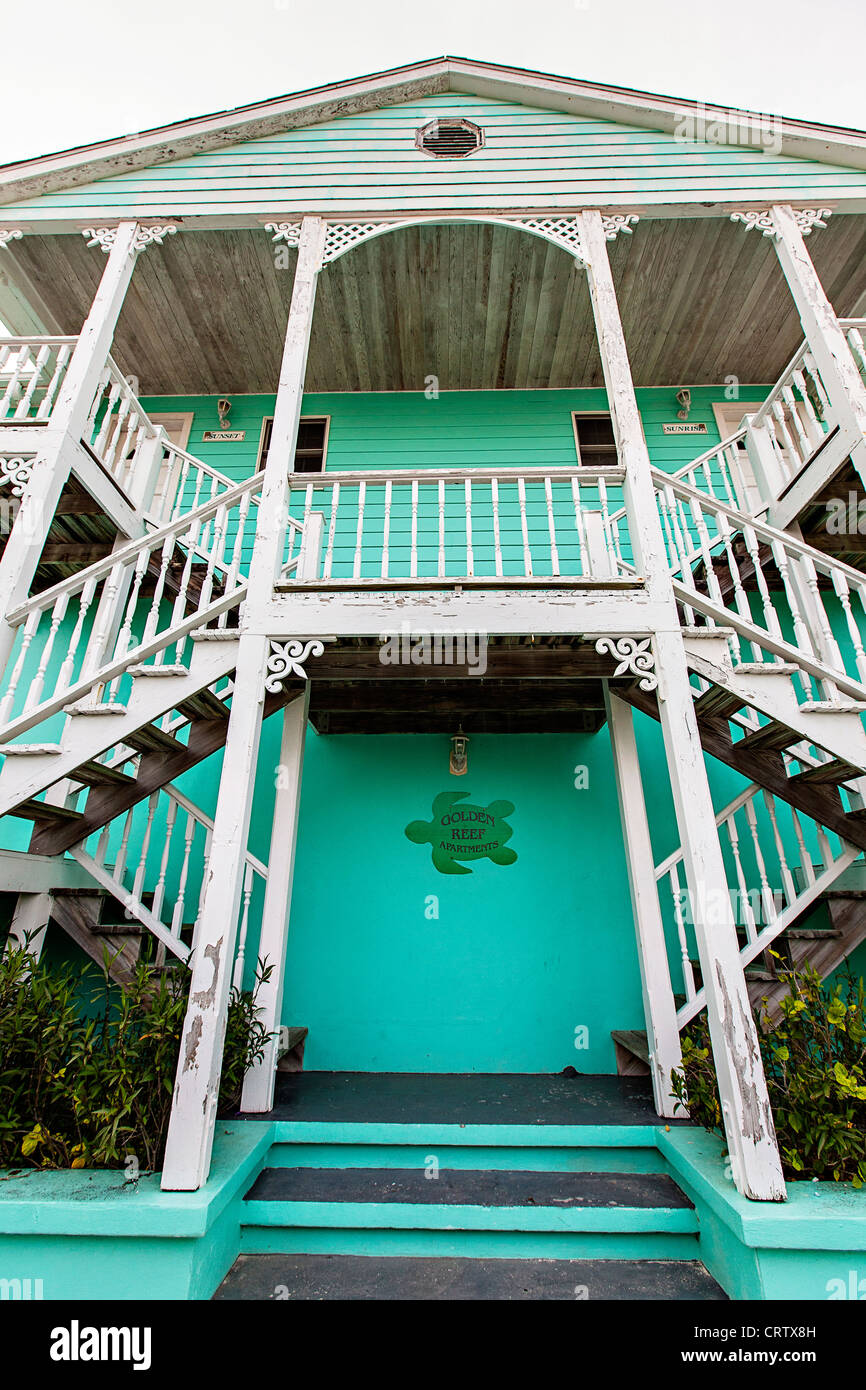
[(684, 396), (458, 763), (223, 409)]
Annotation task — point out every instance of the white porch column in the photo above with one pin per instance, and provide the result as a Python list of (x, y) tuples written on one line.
[(30, 920), (258, 1092), (196, 1091), (821, 329), (749, 1128), (663, 1038), (58, 442)]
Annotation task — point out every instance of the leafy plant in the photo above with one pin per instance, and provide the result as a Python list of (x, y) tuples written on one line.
[(88, 1067), (815, 1065)]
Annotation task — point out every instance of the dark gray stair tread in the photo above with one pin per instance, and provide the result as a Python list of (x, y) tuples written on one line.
[(476, 1098), (331, 1277), (475, 1187), (33, 809), (813, 934)]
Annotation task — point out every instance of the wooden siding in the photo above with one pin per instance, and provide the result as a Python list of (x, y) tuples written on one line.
[(462, 429), (532, 158)]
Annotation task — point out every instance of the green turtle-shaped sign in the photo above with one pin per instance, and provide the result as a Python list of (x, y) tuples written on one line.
[(464, 832)]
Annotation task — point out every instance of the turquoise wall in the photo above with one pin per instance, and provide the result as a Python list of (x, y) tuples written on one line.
[(458, 429)]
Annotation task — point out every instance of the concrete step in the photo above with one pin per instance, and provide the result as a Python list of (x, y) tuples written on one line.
[(529, 1213), (329, 1277)]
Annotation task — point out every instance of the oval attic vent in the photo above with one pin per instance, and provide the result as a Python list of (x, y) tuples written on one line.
[(453, 138)]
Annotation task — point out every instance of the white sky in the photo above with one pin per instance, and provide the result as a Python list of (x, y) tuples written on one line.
[(84, 70)]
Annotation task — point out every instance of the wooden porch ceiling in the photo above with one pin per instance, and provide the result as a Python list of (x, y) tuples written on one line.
[(527, 686), (478, 306)]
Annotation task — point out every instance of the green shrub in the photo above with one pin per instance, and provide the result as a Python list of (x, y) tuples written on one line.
[(87, 1067), (814, 1063)]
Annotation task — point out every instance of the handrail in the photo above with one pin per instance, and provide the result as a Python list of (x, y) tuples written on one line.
[(762, 528), (101, 568), (300, 481), (728, 617), (203, 819), (676, 856)]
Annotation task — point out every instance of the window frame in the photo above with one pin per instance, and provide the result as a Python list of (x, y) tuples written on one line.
[(185, 419), (267, 418), (589, 415)]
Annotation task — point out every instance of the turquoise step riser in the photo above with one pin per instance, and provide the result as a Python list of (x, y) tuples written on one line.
[(566, 1159), (610, 1138), (376, 1216), (258, 1240)]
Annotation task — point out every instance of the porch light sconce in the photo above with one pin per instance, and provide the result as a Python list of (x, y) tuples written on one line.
[(684, 397), (223, 410), (458, 763)]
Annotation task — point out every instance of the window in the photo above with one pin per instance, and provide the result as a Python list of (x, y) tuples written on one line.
[(312, 443), (593, 435)]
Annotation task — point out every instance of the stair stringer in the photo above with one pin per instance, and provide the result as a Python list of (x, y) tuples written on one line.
[(90, 733)]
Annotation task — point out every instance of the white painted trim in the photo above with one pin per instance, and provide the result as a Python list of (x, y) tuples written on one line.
[(170, 418)]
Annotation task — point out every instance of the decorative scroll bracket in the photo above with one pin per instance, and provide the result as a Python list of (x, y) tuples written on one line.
[(8, 234), (618, 222), (805, 218), (288, 658), (16, 471), (105, 237), (289, 232), (635, 656)]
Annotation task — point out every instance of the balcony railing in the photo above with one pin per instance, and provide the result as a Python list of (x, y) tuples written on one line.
[(31, 373), (465, 525)]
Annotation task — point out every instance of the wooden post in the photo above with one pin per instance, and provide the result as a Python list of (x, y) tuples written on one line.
[(196, 1091), (58, 442), (30, 920), (823, 333), (663, 1038), (757, 1169), (769, 477), (258, 1092), (148, 465)]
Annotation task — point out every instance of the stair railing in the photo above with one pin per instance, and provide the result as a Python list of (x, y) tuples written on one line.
[(720, 556), (854, 330), (778, 862), (159, 850), (797, 415), (31, 374), (184, 484), (137, 605)]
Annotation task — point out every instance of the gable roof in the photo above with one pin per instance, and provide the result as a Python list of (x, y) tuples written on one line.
[(67, 169)]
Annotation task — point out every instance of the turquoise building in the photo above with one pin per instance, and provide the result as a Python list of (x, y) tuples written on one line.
[(432, 563)]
